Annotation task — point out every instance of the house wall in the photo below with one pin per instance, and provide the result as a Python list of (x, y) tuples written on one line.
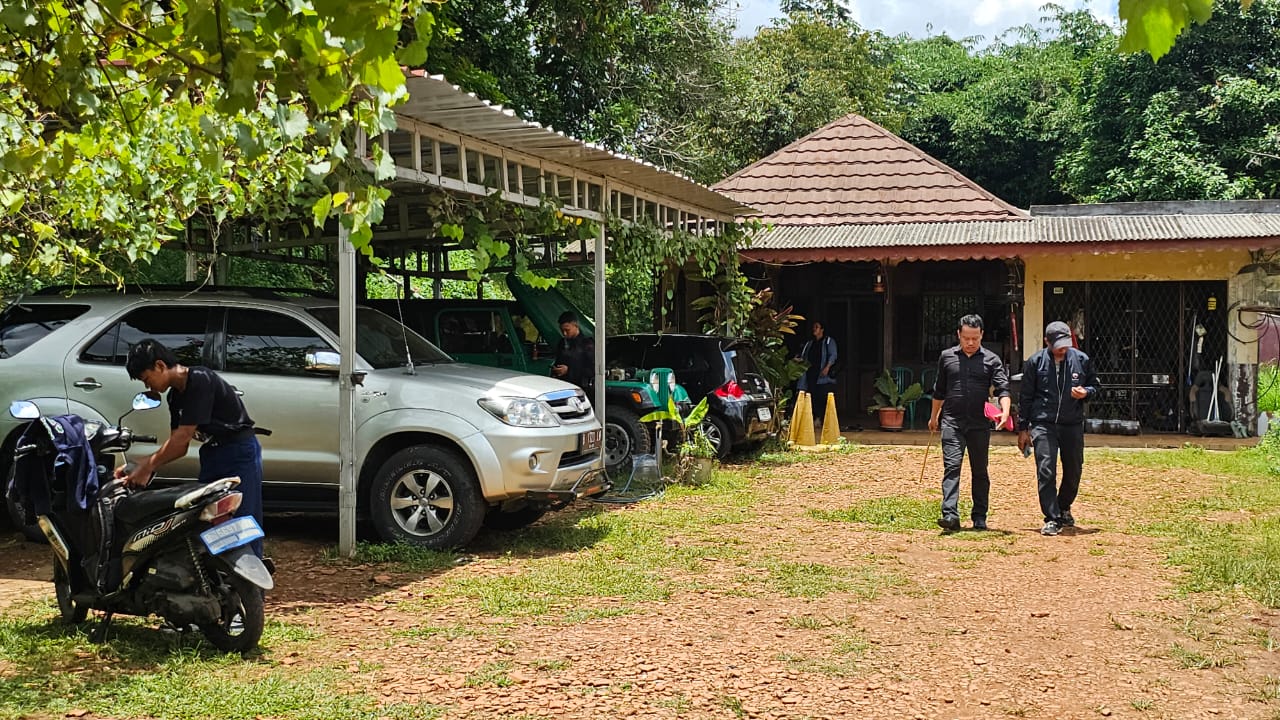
[(1043, 269), (1223, 265)]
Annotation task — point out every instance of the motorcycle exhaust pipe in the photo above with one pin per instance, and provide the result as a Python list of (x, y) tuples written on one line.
[(56, 541)]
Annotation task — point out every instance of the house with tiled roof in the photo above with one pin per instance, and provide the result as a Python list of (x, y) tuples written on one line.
[(889, 247)]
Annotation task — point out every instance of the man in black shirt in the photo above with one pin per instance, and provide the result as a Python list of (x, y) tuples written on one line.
[(202, 406), (966, 374), (575, 355)]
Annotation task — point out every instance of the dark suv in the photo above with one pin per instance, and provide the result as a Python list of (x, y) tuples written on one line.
[(741, 405)]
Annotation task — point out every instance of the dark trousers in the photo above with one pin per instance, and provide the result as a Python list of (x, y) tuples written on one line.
[(1050, 441), (955, 441), (244, 459)]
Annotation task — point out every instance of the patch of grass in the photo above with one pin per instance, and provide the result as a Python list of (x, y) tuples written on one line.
[(805, 622), (408, 711), (1142, 704), (733, 705), (53, 669), (405, 557), (551, 665), (889, 513), (494, 673), (1265, 689), (789, 456), (447, 632), (1193, 659), (815, 580), (1222, 555), (1264, 638), (680, 703)]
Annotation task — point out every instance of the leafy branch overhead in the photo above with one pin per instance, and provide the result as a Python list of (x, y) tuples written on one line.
[(121, 119), (1154, 25)]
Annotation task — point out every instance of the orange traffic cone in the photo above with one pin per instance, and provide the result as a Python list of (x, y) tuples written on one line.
[(831, 423), (804, 436), (794, 434)]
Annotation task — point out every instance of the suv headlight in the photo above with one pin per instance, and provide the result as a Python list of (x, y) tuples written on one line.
[(520, 412)]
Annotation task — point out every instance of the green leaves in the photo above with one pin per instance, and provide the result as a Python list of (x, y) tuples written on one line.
[(208, 113), (1154, 25)]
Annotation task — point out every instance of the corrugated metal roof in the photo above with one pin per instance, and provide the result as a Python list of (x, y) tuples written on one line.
[(436, 101), (853, 171), (985, 239)]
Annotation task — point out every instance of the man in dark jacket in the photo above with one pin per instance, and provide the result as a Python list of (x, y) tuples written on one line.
[(966, 375), (1056, 382), (575, 355)]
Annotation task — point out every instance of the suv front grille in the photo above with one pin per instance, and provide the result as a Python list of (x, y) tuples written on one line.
[(571, 406)]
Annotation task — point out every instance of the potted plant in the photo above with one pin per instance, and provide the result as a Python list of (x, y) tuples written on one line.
[(697, 455), (892, 404)]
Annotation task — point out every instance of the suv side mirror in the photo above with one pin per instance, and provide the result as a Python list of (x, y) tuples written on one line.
[(324, 362)]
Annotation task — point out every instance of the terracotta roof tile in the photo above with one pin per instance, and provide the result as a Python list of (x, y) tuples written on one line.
[(852, 172)]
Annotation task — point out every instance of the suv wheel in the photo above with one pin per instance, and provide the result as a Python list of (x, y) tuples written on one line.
[(427, 496), (624, 436), (718, 433)]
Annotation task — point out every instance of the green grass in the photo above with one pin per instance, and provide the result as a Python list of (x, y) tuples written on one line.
[(888, 513), (494, 673), (1221, 554), (52, 669), (815, 580), (1196, 660)]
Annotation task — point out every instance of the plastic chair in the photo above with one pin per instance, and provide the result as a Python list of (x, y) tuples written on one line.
[(902, 378)]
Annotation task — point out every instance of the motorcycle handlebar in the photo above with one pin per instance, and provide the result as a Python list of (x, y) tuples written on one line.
[(145, 438)]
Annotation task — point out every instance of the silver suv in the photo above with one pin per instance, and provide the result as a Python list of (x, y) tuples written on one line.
[(441, 447)]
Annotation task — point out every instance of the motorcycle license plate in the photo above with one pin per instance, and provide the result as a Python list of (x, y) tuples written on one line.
[(765, 414), (231, 534), (589, 440)]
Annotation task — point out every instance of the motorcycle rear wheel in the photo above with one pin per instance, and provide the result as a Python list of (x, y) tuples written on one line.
[(242, 613), (73, 613)]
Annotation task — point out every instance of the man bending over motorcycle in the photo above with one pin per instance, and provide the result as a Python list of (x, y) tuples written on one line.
[(204, 407)]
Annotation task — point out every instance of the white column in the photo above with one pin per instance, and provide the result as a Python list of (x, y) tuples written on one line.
[(601, 320)]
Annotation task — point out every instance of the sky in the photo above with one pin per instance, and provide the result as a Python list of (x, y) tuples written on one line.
[(921, 18)]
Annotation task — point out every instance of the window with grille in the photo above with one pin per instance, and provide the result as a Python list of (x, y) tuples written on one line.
[(940, 313)]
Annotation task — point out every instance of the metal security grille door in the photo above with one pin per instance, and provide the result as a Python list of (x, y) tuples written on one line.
[(1143, 339)]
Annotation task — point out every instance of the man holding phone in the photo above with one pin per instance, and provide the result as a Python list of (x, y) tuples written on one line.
[(1056, 382)]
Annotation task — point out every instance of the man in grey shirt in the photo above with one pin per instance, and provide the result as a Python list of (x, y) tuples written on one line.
[(966, 374)]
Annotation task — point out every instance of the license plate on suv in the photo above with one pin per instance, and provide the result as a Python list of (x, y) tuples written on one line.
[(589, 440)]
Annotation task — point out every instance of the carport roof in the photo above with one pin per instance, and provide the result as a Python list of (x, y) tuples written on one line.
[(436, 101)]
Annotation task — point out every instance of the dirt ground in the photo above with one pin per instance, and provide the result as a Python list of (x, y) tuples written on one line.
[(977, 625)]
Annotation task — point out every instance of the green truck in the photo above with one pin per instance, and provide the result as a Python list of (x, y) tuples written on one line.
[(521, 335)]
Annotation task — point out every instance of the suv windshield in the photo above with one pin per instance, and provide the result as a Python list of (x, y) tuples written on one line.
[(382, 341)]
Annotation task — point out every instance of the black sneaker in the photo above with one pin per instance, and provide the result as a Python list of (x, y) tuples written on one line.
[(979, 523), (1065, 520), (949, 523), (1051, 528)]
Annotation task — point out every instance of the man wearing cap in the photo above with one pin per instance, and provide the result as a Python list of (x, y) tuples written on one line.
[(1056, 382)]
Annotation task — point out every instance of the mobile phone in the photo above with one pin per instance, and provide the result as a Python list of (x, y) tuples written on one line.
[(1026, 451)]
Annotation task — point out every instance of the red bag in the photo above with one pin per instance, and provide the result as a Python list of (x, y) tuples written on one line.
[(992, 411)]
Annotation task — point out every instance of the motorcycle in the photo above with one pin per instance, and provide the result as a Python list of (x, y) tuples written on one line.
[(177, 552)]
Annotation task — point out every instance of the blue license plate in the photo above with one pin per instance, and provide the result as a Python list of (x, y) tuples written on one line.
[(232, 534)]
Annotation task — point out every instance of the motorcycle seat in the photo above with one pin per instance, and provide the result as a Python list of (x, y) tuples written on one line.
[(139, 506)]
